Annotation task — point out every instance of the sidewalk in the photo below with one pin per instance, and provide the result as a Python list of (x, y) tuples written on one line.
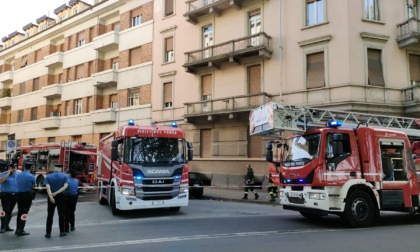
[(228, 194)]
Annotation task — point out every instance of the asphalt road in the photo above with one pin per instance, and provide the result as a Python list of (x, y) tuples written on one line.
[(210, 225)]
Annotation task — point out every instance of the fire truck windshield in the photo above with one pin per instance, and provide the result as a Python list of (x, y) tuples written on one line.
[(155, 150), (300, 150)]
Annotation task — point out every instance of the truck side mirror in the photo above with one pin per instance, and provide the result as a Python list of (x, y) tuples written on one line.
[(114, 150), (269, 153), (190, 151)]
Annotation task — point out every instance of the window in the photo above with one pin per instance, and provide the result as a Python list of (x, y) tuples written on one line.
[(393, 160), (20, 116), (34, 113), (207, 40), (413, 8), (81, 39), (255, 25), (315, 70), (133, 97), (62, 18), (135, 20), (35, 84), (314, 12), (206, 87), (169, 7), (21, 88), (81, 42), (74, 11), (67, 111), (78, 106), (254, 84), (375, 68), (51, 139), (371, 10), (414, 69), (135, 56), (167, 94), (80, 71), (169, 49)]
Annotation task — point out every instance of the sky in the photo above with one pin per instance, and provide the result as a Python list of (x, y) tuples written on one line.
[(14, 14)]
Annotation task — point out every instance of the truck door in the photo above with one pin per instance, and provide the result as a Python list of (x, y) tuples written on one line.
[(340, 164), (394, 166)]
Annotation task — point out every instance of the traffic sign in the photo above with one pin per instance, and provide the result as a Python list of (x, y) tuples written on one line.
[(11, 147)]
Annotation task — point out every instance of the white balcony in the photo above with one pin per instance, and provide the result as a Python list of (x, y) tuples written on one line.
[(52, 91), (5, 102), (6, 76), (106, 42), (4, 129), (54, 60), (52, 122), (105, 78), (104, 115)]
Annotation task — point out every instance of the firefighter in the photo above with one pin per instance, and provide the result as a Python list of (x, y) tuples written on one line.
[(56, 183), (8, 189), (72, 194), (249, 183), (25, 182), (272, 190)]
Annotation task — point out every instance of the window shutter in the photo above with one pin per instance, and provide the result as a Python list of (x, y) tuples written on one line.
[(169, 7), (315, 73), (254, 79), (135, 56), (81, 35), (375, 72), (169, 44), (255, 12), (206, 82), (414, 67), (167, 89), (79, 71), (136, 12), (205, 143)]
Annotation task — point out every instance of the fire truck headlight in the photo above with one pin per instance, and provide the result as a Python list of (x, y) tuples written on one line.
[(281, 193), (183, 189), (127, 191), (317, 196)]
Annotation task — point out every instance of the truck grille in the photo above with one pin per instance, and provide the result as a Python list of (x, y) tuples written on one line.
[(157, 188)]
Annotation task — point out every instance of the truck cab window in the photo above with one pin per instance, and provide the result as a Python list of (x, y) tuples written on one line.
[(337, 149), (393, 161)]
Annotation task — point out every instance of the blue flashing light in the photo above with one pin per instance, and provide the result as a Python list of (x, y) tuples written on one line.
[(335, 123), (173, 124), (177, 177), (138, 178), (288, 180), (301, 180), (131, 122)]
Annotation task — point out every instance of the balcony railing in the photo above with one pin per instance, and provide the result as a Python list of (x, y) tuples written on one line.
[(6, 76), (54, 60), (257, 45), (408, 33), (225, 107), (52, 91), (105, 78), (199, 8), (52, 122), (4, 129), (104, 115), (5, 102), (411, 99), (106, 42)]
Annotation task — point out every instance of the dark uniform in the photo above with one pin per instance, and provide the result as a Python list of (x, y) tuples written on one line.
[(272, 189), (56, 183), (72, 194), (249, 183), (25, 183), (8, 189)]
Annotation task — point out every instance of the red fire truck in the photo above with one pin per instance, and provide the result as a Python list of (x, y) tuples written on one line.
[(355, 166), (144, 167), (75, 155)]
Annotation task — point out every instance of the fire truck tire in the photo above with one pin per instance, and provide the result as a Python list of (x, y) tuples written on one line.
[(102, 201), (311, 216), (40, 183), (115, 211), (174, 209), (360, 210)]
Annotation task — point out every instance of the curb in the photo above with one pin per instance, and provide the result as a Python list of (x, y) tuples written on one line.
[(260, 202)]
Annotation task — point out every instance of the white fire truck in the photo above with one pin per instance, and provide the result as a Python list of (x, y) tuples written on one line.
[(353, 165), (143, 167)]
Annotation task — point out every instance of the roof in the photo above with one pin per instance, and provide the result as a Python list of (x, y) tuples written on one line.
[(39, 20), (26, 27), (72, 2), (11, 35), (4, 39), (61, 8)]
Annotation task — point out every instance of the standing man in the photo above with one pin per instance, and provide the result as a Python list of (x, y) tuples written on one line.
[(8, 189), (249, 183), (56, 183), (72, 194), (25, 184)]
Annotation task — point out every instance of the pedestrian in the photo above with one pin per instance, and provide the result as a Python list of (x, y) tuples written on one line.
[(72, 194), (56, 183), (8, 189), (25, 182), (272, 189), (250, 183)]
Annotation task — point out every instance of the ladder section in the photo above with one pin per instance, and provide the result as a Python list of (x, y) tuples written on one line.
[(66, 152), (273, 118)]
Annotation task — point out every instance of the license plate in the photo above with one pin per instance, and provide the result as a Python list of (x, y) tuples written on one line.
[(157, 202), (294, 194)]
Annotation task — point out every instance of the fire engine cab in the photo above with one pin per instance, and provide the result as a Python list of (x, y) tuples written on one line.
[(353, 165)]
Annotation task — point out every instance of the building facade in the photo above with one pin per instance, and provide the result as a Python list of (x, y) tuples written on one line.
[(206, 64)]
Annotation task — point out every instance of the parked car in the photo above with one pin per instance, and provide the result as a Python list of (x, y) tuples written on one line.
[(196, 184)]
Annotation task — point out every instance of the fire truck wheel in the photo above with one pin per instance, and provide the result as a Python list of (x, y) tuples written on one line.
[(311, 216), (102, 201), (115, 211), (360, 210)]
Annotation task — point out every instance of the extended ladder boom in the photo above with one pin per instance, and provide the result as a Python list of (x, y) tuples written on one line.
[(273, 118)]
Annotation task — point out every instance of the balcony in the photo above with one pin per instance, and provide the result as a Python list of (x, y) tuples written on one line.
[(54, 60), (411, 100), (6, 76), (106, 42), (409, 33), (224, 108), (52, 122), (249, 47), (5, 102), (4, 129), (104, 115), (52, 91), (105, 78), (200, 8)]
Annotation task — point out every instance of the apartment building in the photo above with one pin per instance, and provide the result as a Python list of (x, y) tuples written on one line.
[(206, 64), (79, 76), (215, 60)]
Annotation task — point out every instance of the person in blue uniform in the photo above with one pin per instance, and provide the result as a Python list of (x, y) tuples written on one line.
[(25, 182), (8, 189), (56, 184), (72, 194)]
